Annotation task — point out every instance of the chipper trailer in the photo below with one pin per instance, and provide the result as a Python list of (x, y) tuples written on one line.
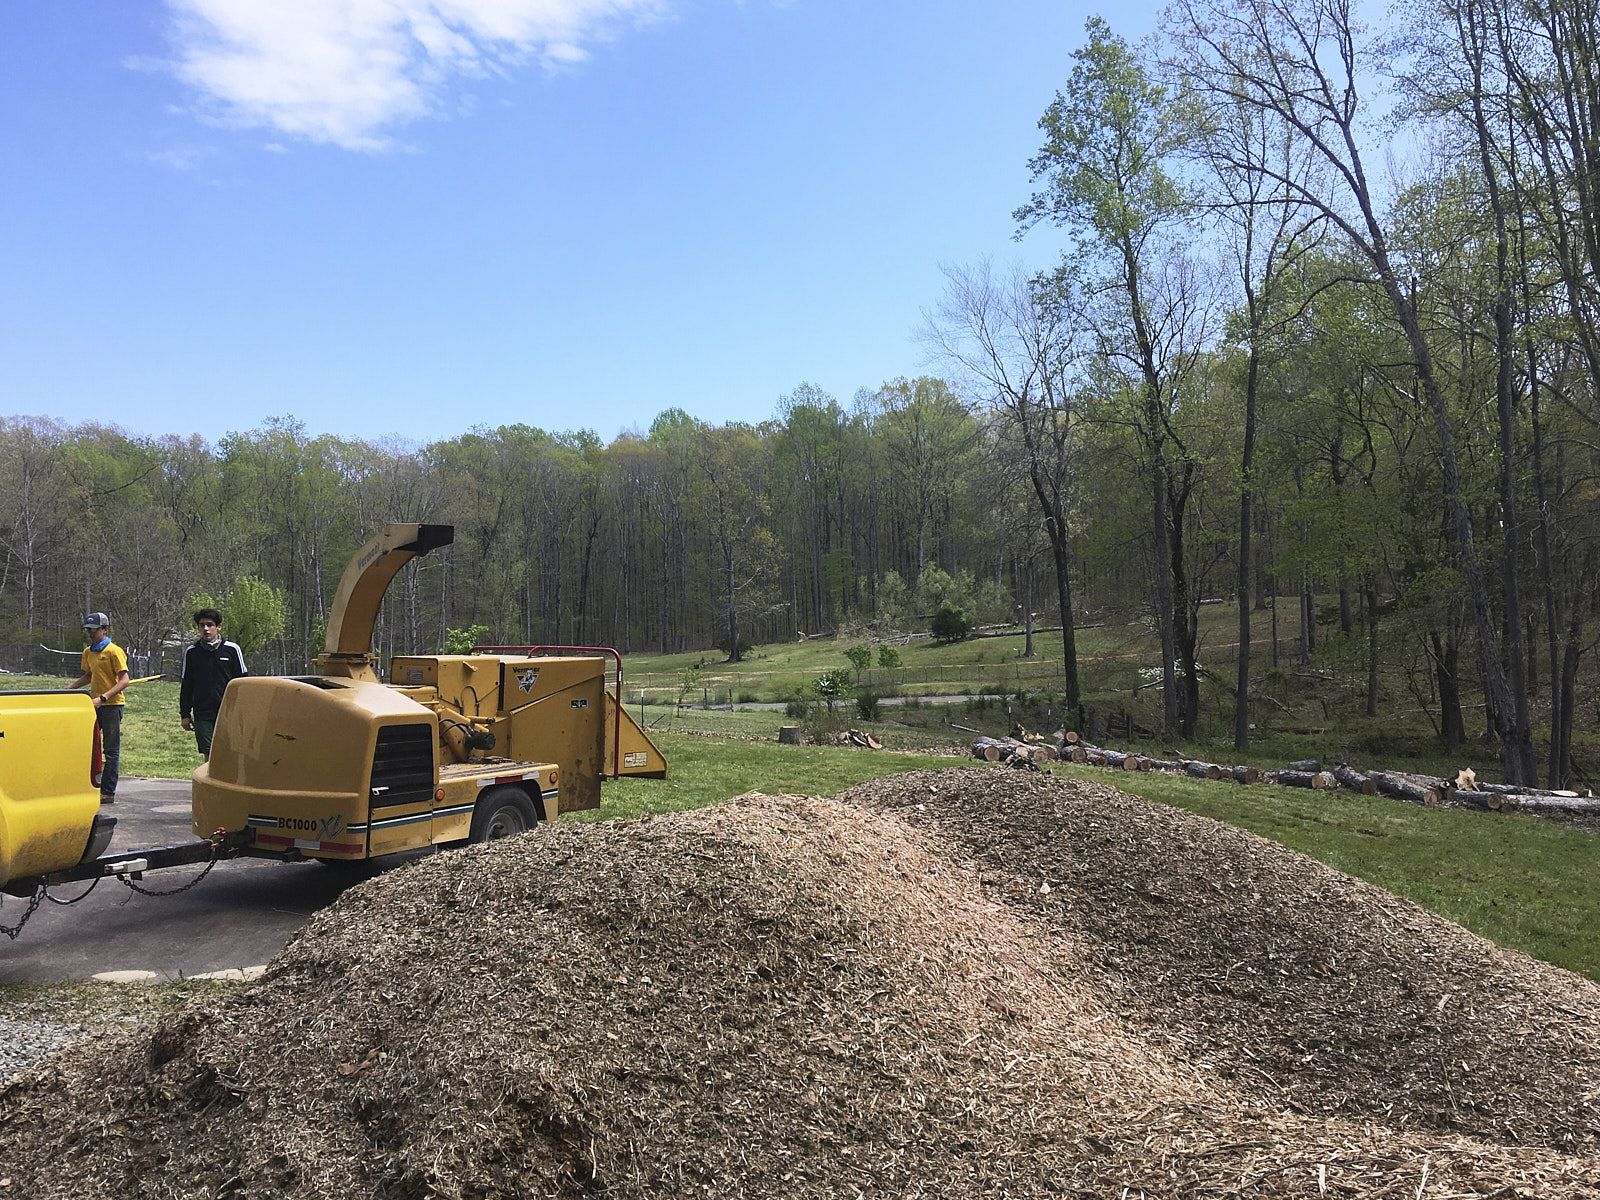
[(343, 765)]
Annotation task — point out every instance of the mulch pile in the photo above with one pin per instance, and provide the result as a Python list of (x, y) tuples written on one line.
[(954, 983)]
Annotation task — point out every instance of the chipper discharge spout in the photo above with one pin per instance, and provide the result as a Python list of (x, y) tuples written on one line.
[(347, 652)]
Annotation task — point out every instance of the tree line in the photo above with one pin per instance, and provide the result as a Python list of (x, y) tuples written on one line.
[(1325, 331)]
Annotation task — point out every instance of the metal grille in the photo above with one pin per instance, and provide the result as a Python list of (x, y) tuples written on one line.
[(402, 765)]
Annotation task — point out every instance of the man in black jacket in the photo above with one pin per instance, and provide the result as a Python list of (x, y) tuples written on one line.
[(208, 665)]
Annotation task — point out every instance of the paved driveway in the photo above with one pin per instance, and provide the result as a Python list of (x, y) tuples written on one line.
[(241, 915)]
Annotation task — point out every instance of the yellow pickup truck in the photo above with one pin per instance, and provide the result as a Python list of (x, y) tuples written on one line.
[(50, 816)]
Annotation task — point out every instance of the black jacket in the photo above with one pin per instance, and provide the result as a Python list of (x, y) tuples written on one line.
[(206, 672)]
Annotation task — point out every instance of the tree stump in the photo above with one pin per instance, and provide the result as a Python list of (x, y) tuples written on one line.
[(788, 735)]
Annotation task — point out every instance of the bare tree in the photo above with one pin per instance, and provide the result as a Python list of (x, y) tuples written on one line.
[(1015, 353)]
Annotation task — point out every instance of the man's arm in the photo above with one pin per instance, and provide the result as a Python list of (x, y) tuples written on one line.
[(185, 688), (118, 687), (79, 681)]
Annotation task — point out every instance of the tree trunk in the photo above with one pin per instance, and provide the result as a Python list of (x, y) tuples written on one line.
[(1241, 697), (1446, 660), (1372, 650)]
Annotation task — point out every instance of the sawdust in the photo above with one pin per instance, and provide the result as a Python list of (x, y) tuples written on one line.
[(876, 995)]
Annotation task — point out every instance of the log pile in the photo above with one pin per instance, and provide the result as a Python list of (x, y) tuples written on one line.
[(1464, 791), (1014, 752)]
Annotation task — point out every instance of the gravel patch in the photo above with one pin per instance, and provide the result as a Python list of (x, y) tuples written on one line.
[(22, 1042)]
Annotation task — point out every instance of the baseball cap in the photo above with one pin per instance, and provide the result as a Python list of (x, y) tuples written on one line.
[(96, 621)]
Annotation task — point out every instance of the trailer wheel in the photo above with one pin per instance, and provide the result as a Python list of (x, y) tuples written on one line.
[(502, 812)]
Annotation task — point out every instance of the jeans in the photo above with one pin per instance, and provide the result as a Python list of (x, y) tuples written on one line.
[(110, 718), (204, 727)]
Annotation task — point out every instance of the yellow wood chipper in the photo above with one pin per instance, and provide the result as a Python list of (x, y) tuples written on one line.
[(345, 765)]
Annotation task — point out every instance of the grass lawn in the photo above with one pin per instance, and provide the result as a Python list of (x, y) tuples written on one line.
[(153, 742), (1109, 653), (1518, 880)]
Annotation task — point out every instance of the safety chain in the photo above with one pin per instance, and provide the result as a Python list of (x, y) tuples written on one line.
[(216, 850), (42, 892), (12, 931)]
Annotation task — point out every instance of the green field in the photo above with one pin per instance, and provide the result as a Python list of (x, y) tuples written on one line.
[(1521, 881), (1110, 655)]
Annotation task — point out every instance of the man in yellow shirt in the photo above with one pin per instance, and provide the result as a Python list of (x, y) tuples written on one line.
[(105, 669)]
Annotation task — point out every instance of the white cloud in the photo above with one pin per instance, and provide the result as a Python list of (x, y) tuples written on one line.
[(345, 72), (181, 158)]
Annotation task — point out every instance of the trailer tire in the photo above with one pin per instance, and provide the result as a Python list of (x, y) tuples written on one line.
[(502, 812)]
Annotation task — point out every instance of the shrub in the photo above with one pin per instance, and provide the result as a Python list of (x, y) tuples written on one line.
[(796, 710), (835, 685), (860, 657), (867, 706), (888, 658), (951, 624)]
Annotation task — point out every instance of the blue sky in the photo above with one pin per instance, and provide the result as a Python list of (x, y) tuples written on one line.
[(411, 217)]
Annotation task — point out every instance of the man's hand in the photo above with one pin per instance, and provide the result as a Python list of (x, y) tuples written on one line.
[(99, 701), (188, 723)]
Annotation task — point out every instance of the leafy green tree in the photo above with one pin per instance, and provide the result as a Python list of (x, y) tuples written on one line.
[(255, 613), (860, 658), (461, 641), (1104, 175), (888, 658), (952, 624), (733, 506), (833, 685)]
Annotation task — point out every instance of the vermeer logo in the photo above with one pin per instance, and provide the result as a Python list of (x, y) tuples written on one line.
[(527, 678), (332, 826)]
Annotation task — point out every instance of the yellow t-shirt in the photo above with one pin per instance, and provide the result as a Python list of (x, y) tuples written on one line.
[(103, 668)]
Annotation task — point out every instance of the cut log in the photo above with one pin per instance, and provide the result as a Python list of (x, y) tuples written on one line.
[(1046, 754), (1244, 774), (987, 749), (1316, 780), (1121, 760), (1310, 765), (1071, 737), (1077, 754), (1534, 802), (1513, 789), (1202, 770), (1353, 780), (1392, 784), (1094, 758), (1466, 779), (1164, 764)]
